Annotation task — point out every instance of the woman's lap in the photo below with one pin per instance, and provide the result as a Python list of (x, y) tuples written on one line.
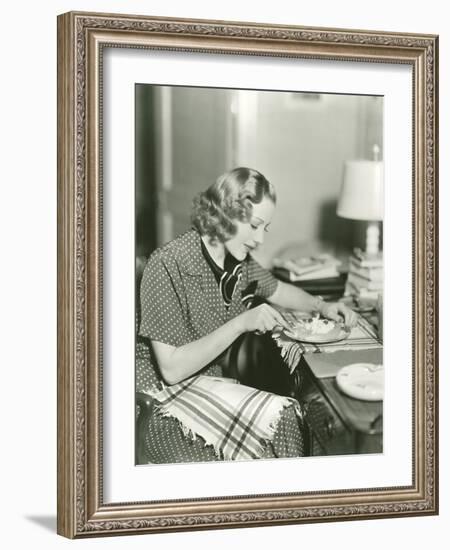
[(166, 443), (288, 439)]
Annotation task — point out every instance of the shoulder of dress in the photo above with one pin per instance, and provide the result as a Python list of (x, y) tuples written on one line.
[(184, 250)]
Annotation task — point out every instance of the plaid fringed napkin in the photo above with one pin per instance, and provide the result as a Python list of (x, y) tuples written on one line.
[(238, 421), (362, 336)]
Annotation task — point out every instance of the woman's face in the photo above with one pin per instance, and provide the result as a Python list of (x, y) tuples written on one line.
[(250, 234)]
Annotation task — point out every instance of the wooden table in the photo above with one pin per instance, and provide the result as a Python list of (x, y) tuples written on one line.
[(336, 423)]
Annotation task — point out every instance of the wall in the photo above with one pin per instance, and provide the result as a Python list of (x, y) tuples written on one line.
[(199, 147), (28, 275), (299, 141)]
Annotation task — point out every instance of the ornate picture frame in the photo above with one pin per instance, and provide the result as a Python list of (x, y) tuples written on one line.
[(82, 40)]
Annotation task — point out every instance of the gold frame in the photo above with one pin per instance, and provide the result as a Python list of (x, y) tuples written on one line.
[(81, 37)]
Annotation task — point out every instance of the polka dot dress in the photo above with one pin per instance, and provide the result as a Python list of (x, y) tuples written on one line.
[(180, 303)]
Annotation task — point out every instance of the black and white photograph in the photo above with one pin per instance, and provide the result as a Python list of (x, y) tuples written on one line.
[(259, 274)]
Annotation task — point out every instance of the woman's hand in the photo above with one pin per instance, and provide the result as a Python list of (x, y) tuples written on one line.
[(261, 319), (337, 311)]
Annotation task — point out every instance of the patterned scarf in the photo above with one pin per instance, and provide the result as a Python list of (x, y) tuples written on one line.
[(226, 277)]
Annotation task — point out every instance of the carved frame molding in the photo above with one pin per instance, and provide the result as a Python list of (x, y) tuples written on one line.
[(81, 37)]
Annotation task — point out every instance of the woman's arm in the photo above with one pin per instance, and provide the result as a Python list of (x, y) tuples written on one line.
[(178, 363), (293, 297)]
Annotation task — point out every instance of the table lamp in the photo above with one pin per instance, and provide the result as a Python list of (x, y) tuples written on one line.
[(361, 197)]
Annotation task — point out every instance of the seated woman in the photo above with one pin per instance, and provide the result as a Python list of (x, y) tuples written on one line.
[(196, 300)]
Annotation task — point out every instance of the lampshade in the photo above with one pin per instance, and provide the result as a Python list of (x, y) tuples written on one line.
[(361, 196)]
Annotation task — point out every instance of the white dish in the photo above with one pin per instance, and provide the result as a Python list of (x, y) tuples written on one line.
[(362, 381), (318, 331)]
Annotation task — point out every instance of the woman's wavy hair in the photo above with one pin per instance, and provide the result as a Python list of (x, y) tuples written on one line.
[(230, 198)]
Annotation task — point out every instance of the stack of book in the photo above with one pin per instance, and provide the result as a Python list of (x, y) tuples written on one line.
[(365, 276), (323, 266), (318, 275)]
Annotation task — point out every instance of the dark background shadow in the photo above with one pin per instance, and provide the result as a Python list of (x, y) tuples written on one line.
[(341, 234)]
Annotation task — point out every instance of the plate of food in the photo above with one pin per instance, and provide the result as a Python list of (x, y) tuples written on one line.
[(315, 330), (362, 381)]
